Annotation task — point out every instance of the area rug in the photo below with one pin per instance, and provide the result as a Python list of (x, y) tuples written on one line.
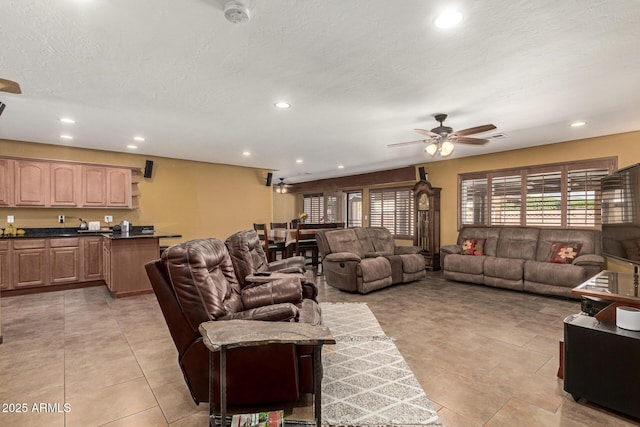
[(366, 380)]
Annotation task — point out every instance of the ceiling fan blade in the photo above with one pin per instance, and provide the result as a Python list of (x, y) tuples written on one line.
[(400, 144), (471, 131), (473, 141), (427, 132), (9, 86)]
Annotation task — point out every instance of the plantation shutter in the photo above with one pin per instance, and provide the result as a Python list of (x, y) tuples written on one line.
[(506, 200), (331, 214), (393, 210), (584, 197), (314, 207), (544, 199), (473, 201)]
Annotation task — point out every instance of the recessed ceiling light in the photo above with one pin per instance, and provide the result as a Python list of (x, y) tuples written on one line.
[(66, 137), (66, 120), (578, 124), (132, 147), (246, 153), (298, 160), (340, 166), (282, 105), (448, 19), (138, 138)]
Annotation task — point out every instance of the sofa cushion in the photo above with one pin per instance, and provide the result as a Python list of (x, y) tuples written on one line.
[(473, 247), (464, 264), (591, 241), (372, 269), (518, 242), (382, 240), (365, 240), (504, 268), (564, 253), (489, 234), (344, 240), (565, 275)]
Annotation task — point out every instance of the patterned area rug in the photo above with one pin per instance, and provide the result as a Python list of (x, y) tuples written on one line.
[(366, 380)]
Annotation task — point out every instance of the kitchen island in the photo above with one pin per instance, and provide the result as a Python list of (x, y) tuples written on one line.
[(48, 259)]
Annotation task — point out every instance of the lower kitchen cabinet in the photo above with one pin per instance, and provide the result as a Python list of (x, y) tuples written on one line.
[(91, 258), (30, 260), (5, 266), (124, 261), (64, 260)]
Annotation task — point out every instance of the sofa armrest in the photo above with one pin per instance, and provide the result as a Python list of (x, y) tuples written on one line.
[(589, 260), (450, 249), (404, 250), (288, 265), (281, 290), (274, 313), (341, 257)]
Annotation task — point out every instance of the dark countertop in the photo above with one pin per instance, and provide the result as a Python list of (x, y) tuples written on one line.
[(138, 232)]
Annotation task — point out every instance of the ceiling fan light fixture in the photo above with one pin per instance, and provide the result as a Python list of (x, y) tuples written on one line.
[(431, 149), (448, 19), (447, 148), (281, 187)]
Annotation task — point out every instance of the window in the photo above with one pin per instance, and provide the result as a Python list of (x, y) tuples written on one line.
[(354, 208), (557, 195), (392, 209), (313, 205), (321, 208)]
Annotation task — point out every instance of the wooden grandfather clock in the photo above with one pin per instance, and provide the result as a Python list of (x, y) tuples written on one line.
[(427, 223)]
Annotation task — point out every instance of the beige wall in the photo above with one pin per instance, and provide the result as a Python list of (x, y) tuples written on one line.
[(284, 207), (194, 199)]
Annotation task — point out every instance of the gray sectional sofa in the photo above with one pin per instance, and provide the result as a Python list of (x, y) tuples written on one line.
[(365, 259), (519, 258)]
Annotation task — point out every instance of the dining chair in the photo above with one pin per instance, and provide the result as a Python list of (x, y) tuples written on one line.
[(270, 248), (280, 241)]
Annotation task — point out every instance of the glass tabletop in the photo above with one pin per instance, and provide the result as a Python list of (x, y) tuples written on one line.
[(611, 285)]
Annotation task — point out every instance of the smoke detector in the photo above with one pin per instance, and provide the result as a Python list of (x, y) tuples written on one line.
[(235, 12)]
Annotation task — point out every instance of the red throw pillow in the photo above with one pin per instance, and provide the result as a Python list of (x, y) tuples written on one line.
[(564, 253), (473, 247)]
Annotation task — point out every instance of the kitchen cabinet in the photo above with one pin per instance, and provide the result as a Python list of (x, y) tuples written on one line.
[(91, 258), (30, 261), (124, 261), (6, 182), (5, 266), (31, 183), (64, 260), (106, 187), (54, 183), (118, 187), (65, 185), (106, 263)]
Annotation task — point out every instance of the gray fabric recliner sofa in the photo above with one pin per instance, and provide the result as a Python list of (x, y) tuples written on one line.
[(366, 259), (518, 258)]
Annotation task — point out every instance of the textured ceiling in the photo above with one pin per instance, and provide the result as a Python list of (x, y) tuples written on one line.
[(360, 74)]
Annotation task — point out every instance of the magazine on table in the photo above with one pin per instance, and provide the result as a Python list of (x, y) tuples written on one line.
[(259, 419)]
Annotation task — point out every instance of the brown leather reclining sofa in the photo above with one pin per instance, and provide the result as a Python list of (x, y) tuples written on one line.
[(195, 282)]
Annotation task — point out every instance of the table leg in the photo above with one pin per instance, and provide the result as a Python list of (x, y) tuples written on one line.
[(223, 385), (317, 384), (212, 420)]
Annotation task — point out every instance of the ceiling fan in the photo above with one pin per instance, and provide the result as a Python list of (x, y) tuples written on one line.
[(8, 86), (442, 138)]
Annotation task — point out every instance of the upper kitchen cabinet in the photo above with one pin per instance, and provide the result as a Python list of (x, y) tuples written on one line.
[(65, 184), (106, 187), (6, 182), (54, 183), (31, 183)]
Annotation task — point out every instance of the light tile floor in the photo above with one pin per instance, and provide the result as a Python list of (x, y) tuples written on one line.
[(484, 357)]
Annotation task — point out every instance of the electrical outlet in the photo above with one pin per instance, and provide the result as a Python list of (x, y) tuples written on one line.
[(61, 219), (10, 219), (108, 219)]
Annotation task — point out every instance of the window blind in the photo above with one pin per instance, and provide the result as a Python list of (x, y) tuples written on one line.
[(392, 209), (506, 200), (544, 199), (584, 197), (314, 207)]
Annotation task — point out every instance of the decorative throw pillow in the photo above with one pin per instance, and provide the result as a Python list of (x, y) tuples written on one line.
[(564, 253), (473, 247)]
